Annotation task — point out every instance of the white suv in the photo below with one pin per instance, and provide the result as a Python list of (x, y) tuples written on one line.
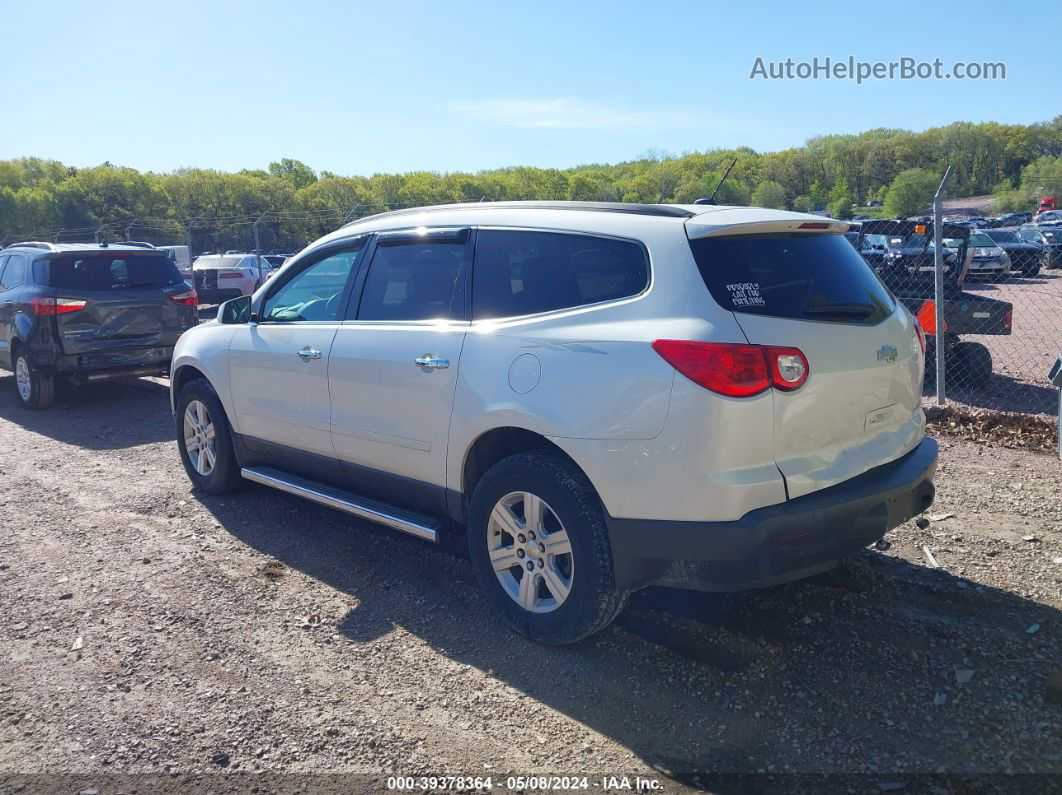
[(606, 396)]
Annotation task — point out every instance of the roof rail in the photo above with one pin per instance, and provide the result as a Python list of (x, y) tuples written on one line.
[(35, 244), (137, 243), (632, 208)]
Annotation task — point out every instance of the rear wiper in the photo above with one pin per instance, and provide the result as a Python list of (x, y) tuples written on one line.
[(847, 310)]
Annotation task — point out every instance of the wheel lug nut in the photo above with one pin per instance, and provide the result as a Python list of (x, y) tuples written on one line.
[(541, 547), (521, 538), (530, 566), (520, 553), (532, 534), (541, 563)]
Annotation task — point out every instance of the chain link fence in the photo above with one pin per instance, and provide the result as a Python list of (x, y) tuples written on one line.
[(1001, 313)]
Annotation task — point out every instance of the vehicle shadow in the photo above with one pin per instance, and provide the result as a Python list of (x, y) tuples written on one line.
[(1001, 393), (103, 416), (698, 685)]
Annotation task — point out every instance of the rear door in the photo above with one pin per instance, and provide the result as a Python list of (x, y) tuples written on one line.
[(107, 301), (860, 406), (393, 368)]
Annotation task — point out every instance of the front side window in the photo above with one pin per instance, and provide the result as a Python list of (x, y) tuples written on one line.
[(316, 292), (415, 280), (525, 273)]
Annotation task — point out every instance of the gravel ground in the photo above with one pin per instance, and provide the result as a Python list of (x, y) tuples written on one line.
[(150, 630)]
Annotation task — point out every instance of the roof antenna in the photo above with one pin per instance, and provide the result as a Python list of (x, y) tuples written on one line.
[(711, 199)]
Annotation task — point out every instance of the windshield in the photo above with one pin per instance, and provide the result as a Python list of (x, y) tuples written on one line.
[(1004, 237), (981, 240), (107, 271), (811, 277)]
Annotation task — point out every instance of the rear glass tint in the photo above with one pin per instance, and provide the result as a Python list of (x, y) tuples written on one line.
[(525, 273), (800, 276), (107, 272)]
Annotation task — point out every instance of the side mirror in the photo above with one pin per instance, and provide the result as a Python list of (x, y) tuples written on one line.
[(235, 310)]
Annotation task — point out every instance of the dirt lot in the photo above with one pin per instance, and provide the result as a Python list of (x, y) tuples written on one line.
[(149, 630)]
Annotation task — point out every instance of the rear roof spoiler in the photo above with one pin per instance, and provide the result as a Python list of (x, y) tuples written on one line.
[(759, 221)]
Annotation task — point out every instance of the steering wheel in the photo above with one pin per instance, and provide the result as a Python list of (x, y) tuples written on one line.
[(332, 307)]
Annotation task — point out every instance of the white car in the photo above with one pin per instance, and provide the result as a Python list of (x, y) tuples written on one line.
[(605, 395), (219, 277), (985, 257)]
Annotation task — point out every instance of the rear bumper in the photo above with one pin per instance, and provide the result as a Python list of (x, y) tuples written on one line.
[(217, 296), (121, 363), (771, 545)]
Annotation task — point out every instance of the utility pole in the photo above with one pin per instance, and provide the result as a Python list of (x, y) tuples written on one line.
[(938, 282), (258, 246), (349, 215), (99, 233), (188, 230), (129, 228)]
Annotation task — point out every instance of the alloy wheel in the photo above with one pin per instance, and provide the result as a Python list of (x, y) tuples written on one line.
[(23, 380), (530, 552), (199, 438)]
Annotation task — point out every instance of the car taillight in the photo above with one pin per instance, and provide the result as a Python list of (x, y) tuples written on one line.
[(230, 275), (186, 298), (927, 317), (1008, 319), (735, 370), (920, 336), (49, 307), (788, 367)]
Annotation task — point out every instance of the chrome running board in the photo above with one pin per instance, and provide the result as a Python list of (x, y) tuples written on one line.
[(395, 518)]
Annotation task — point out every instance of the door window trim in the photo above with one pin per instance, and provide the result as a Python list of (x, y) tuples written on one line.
[(310, 259)]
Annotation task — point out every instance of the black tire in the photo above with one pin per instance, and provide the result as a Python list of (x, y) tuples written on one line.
[(41, 384), (593, 601), (972, 363), (225, 475), (1032, 269)]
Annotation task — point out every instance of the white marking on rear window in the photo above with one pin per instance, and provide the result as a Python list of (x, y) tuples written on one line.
[(746, 294)]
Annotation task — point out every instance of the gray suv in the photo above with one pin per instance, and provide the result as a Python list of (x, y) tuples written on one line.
[(88, 312)]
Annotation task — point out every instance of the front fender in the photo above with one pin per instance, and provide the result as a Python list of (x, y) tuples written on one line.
[(206, 348)]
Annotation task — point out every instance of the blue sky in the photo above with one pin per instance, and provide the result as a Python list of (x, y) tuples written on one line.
[(360, 88)]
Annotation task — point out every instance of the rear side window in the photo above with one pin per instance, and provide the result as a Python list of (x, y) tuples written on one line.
[(524, 273), (14, 273), (107, 272), (800, 276)]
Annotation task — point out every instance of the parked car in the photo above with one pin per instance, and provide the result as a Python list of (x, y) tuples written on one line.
[(1010, 219), (275, 260), (87, 312), (1026, 258), (988, 258), (219, 277), (1049, 217), (1048, 238), (182, 257), (605, 395)]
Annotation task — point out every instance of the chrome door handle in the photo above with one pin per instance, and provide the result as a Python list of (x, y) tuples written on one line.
[(308, 353), (431, 362)]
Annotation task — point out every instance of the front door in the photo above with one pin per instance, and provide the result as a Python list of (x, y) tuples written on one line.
[(393, 366), (278, 364)]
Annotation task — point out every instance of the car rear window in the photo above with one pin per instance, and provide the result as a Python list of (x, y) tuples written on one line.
[(107, 271), (219, 263), (800, 276)]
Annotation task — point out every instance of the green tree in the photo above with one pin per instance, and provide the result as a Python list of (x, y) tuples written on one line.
[(769, 194), (911, 192), (296, 172), (839, 201)]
